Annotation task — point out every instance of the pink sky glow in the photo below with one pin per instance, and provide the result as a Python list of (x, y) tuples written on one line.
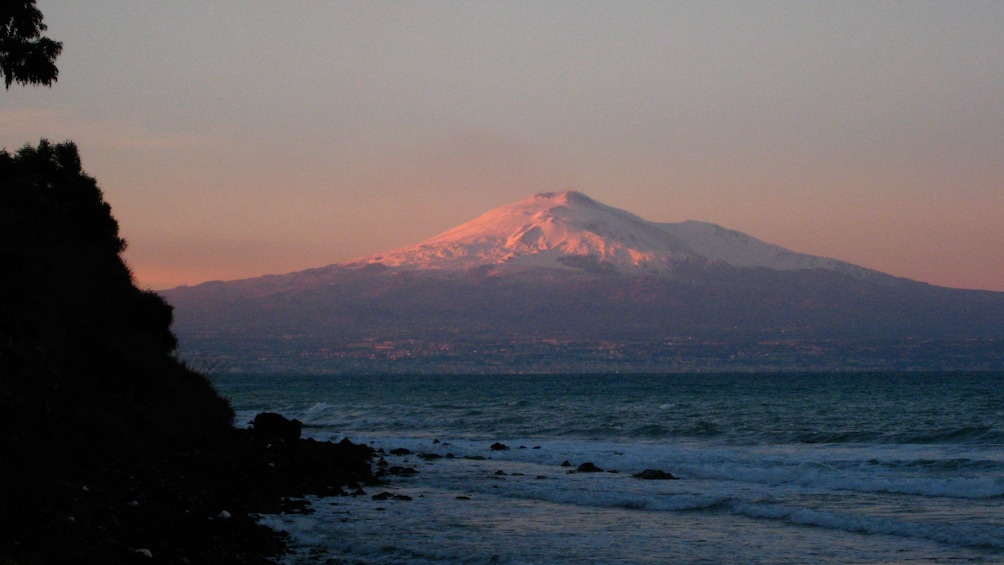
[(236, 139)]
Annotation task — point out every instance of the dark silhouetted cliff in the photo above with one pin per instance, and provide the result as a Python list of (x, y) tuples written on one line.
[(110, 448), (85, 355)]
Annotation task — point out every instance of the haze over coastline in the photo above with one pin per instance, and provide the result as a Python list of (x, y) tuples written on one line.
[(241, 139)]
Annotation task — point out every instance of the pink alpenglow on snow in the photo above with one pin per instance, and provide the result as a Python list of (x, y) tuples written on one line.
[(548, 228)]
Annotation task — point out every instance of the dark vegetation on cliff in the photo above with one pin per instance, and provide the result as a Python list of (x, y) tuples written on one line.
[(78, 335), (110, 447)]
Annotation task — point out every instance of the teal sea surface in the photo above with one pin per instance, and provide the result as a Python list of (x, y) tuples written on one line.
[(771, 468)]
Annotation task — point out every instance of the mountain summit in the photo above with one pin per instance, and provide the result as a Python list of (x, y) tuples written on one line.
[(556, 229), (561, 282), (569, 230)]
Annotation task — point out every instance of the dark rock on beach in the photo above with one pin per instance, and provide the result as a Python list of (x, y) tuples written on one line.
[(189, 502), (271, 426), (397, 470), (588, 468), (499, 447), (654, 475), (391, 496)]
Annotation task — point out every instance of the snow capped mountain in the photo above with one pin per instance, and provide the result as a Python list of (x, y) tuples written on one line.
[(569, 230), (561, 283)]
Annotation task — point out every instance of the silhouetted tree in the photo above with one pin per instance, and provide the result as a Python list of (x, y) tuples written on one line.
[(26, 57), (72, 319), (54, 173)]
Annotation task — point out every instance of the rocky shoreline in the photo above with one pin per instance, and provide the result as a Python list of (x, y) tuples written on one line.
[(194, 502)]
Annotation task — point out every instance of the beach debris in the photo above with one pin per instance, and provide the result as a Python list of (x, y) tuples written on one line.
[(499, 447)]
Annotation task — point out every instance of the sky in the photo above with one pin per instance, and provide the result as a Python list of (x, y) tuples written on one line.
[(240, 138)]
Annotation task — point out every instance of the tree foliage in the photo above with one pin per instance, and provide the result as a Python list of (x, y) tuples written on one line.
[(26, 56), (61, 255), (51, 175), (74, 328)]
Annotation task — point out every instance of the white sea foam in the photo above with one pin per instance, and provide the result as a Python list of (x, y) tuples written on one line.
[(976, 535), (834, 479)]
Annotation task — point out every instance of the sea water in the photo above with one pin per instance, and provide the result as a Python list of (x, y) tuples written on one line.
[(786, 468)]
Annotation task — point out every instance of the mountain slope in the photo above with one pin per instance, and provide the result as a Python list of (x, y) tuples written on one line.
[(740, 250), (563, 268), (571, 230)]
